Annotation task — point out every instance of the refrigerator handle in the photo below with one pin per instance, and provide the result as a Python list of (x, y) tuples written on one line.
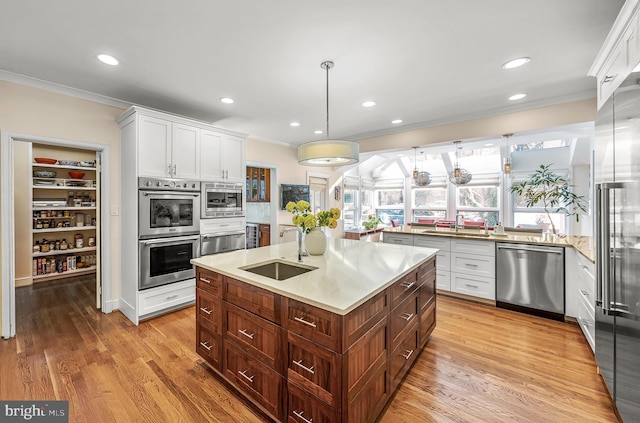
[(602, 247)]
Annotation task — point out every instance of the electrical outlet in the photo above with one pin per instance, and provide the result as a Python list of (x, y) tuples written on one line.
[(114, 211)]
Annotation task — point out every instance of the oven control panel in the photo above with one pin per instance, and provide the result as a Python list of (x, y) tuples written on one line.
[(166, 184)]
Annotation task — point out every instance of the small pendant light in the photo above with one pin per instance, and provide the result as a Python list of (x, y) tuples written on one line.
[(507, 160), (459, 176), (415, 163)]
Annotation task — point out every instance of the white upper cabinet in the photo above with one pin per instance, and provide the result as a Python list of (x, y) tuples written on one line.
[(619, 54), (185, 151), (154, 147), (173, 147), (222, 157)]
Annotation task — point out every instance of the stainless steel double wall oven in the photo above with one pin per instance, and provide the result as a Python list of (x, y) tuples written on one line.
[(169, 230)]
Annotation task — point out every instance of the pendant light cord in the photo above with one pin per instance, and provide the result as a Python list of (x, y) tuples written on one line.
[(327, 68)]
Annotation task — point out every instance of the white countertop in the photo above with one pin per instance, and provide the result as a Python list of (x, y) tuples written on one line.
[(349, 272)]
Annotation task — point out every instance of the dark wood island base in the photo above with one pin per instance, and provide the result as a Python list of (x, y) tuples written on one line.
[(300, 363)]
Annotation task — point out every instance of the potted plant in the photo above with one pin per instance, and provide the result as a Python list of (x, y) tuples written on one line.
[(552, 192), (371, 222)]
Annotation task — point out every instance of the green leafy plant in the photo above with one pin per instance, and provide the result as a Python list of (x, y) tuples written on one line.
[(551, 192), (371, 222)]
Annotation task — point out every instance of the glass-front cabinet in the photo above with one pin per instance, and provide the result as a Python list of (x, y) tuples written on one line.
[(258, 184)]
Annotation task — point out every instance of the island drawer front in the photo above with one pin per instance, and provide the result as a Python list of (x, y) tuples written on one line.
[(255, 379), (364, 357), (313, 323), (209, 281), (403, 357), (401, 319), (209, 309), (304, 408), (427, 293), (260, 337), (209, 345), (165, 297), (315, 369), (256, 300), (363, 318), (476, 286), (402, 288), (397, 238), (427, 322), (369, 402), (473, 264), (427, 272), (443, 280), (473, 246), (439, 242)]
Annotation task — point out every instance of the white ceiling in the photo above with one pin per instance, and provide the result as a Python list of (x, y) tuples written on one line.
[(423, 61)]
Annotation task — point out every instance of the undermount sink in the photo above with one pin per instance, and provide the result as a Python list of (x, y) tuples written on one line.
[(278, 270), (459, 232)]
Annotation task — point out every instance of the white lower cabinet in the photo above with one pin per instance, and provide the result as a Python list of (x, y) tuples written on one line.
[(397, 238), (586, 320), (476, 286), (166, 297)]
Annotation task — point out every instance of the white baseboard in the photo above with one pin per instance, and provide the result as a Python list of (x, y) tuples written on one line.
[(26, 281)]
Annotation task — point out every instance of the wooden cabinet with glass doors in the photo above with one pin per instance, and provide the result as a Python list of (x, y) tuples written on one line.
[(258, 184)]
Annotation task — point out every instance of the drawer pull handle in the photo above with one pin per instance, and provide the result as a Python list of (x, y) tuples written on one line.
[(206, 310), (306, 322), (408, 354), (205, 280), (171, 297), (299, 364), (586, 323), (406, 316), (584, 266), (407, 285), (243, 373), (608, 78), (245, 333), (471, 265), (471, 286), (206, 346), (585, 293), (299, 414)]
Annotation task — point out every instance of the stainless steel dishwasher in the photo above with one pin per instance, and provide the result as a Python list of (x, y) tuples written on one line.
[(530, 279)]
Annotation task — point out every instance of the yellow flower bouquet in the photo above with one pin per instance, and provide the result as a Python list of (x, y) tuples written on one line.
[(306, 220)]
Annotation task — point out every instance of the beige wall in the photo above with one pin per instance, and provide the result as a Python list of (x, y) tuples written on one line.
[(494, 126), (32, 111)]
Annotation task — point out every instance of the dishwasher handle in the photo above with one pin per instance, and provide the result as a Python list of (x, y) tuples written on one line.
[(527, 247)]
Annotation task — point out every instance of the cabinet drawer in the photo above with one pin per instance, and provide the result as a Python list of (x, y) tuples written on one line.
[(476, 286), (396, 238), (612, 73), (587, 321), (209, 310), (586, 277), (427, 322), (403, 356), (155, 300), (427, 272), (368, 403), (473, 264), (257, 300), (303, 408), (443, 260), (209, 281), (426, 293), (364, 357), (313, 323), (401, 320), (209, 345), (315, 369), (439, 242), (254, 379), (472, 246), (402, 288), (258, 336), (443, 280)]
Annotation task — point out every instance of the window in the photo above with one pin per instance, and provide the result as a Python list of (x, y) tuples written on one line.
[(390, 205), (478, 203), (429, 202), (536, 217)]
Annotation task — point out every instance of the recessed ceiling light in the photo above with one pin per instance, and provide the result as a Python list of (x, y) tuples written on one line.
[(517, 97), (396, 121), (294, 124), (107, 59), (516, 63), (318, 131), (226, 100), (369, 103)]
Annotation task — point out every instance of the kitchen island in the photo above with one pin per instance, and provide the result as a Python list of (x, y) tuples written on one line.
[(331, 344)]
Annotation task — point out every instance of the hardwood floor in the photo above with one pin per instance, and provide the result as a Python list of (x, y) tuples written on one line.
[(482, 364)]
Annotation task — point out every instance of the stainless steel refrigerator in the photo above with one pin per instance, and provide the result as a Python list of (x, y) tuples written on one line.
[(617, 307)]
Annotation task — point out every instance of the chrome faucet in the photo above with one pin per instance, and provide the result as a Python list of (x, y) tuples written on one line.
[(457, 224), (301, 251)]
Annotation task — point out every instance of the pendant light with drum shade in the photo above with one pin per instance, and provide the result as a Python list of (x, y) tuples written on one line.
[(328, 152), (423, 178), (507, 160), (458, 175)]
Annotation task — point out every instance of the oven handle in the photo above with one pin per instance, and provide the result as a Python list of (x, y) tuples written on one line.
[(172, 240), (217, 234), (182, 194)]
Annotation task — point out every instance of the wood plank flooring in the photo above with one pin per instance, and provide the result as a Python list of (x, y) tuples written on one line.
[(482, 364)]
